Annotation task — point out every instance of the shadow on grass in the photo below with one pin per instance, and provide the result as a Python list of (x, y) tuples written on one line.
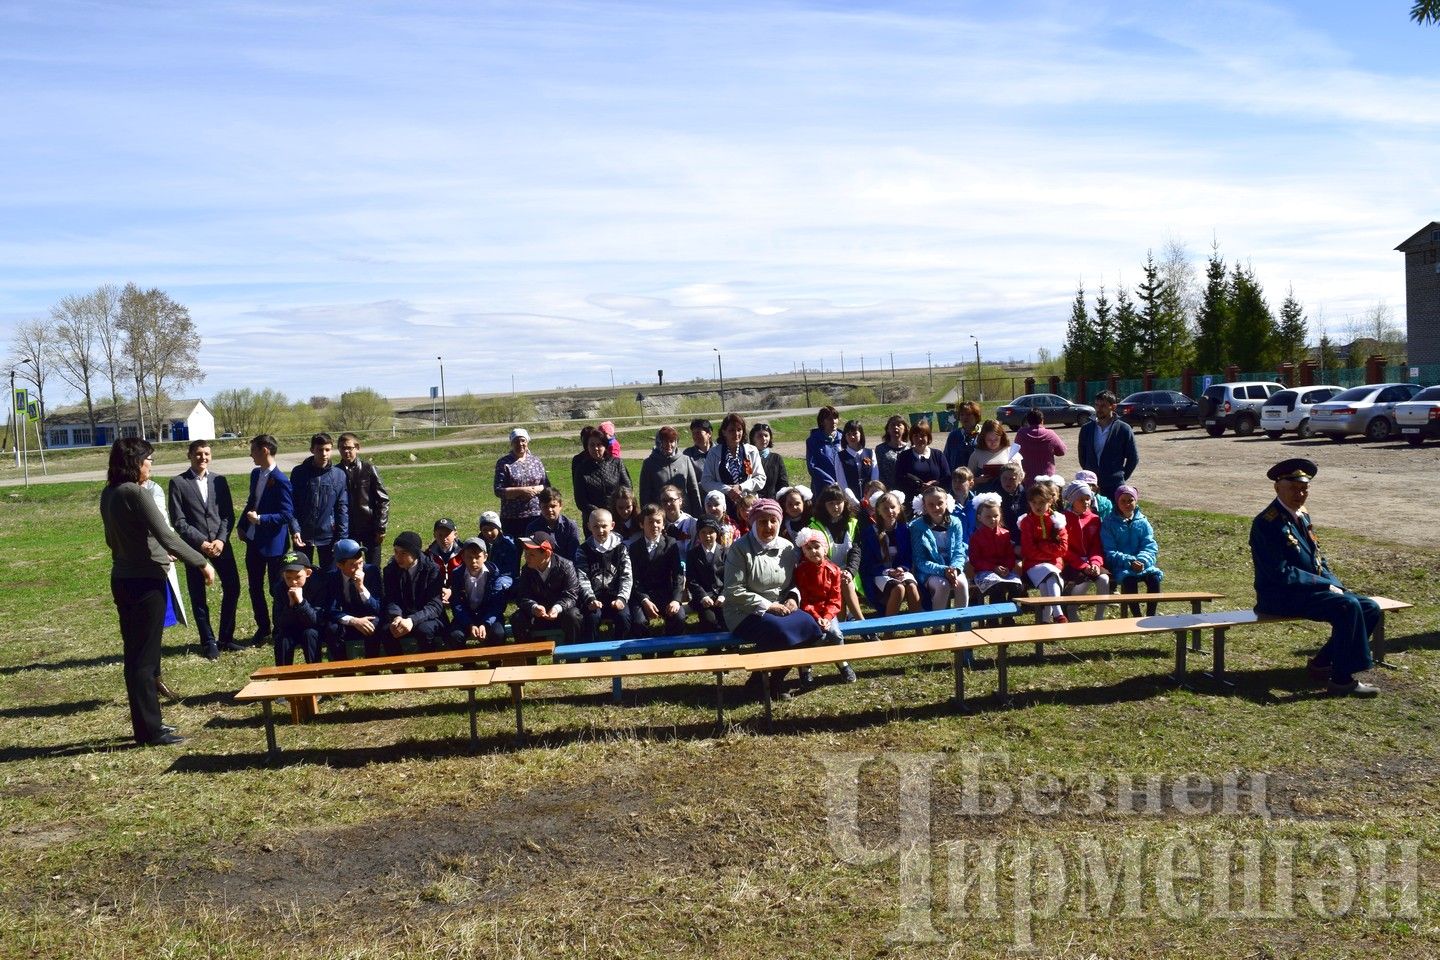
[(79, 663), (51, 709), (54, 751)]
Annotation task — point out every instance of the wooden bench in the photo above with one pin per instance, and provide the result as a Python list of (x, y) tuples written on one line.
[(303, 707), (267, 691), (1194, 598), (1220, 623), (958, 618), (957, 643), (517, 677)]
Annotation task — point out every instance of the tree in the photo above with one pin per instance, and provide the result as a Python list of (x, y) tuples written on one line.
[(1378, 324), (1212, 320), (1126, 355), (1152, 302), (1326, 353), (75, 347), (34, 341), (1252, 326), (162, 345), (1078, 336), (1291, 334), (110, 345), (248, 412), (358, 409), (468, 408), (1102, 342), (1425, 11)]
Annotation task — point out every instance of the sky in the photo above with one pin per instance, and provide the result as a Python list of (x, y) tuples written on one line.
[(566, 192)]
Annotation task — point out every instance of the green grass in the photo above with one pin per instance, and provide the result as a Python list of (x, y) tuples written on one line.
[(634, 830)]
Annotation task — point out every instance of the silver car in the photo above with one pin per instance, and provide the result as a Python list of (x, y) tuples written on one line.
[(1369, 410), (1289, 410), (1419, 418)]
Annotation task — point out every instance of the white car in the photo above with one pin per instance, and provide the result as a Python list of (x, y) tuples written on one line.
[(1289, 410), (1419, 417)]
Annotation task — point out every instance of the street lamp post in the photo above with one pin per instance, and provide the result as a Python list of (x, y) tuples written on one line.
[(979, 384), (720, 366), (444, 413)]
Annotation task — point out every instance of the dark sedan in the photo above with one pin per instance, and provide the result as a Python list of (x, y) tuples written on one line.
[(1151, 409), (1057, 410)]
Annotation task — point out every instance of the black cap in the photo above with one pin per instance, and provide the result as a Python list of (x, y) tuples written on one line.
[(294, 560), (409, 541), (539, 540), (445, 523), (707, 523), (1296, 468)]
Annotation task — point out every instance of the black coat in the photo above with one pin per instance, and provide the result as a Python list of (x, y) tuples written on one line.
[(660, 579), (413, 593), (369, 503)]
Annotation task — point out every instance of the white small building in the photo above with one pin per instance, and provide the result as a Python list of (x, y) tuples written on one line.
[(183, 420)]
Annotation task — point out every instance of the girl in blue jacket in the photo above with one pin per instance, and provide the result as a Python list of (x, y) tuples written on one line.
[(938, 549), (1130, 548)]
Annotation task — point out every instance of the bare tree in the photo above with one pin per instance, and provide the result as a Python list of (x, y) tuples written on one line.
[(33, 347), (75, 349), (1378, 325), (247, 412), (162, 345), (110, 344)]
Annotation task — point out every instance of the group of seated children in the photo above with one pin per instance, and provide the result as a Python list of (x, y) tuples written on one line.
[(1001, 540)]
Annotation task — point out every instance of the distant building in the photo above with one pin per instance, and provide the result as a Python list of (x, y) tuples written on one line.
[(1422, 294), (183, 420)]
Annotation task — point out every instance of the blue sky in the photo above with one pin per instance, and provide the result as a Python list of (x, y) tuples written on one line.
[(341, 192)]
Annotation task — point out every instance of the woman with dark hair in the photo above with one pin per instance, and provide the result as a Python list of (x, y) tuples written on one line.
[(777, 478), (922, 465), (857, 461), (887, 451), (141, 544), (733, 466), (667, 465), (596, 474), (961, 441)]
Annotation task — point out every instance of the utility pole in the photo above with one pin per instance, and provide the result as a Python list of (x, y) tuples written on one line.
[(929, 367), (842, 363), (13, 438), (720, 366), (444, 409), (805, 377), (862, 366), (892, 364), (979, 383)]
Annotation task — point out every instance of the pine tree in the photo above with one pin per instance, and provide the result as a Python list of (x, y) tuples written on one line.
[(1152, 301), (1212, 322), (1126, 355), (1102, 345), (1290, 337), (1078, 337), (1252, 341)]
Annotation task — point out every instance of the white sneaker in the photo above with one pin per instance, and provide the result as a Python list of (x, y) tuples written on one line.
[(1354, 689)]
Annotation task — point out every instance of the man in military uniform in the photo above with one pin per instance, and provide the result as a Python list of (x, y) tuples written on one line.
[(1293, 579)]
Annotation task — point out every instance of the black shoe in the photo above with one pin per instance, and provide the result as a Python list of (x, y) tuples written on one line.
[(166, 728), (230, 646), (807, 677), (209, 651), (259, 639), (165, 740)]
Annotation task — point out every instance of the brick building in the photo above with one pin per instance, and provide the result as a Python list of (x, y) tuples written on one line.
[(1422, 294)]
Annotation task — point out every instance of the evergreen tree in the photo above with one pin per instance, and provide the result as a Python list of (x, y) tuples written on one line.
[(1151, 293), (1126, 355), (1212, 321), (1078, 336), (1290, 337), (1102, 345), (1253, 336)]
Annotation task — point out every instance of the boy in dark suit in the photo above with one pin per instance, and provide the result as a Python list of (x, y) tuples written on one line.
[(265, 528), (351, 595), (659, 578), (202, 512)]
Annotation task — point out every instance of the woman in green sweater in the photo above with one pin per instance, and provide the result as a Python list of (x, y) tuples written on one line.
[(141, 545)]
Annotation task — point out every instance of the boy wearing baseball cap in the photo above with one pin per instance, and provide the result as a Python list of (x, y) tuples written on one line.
[(295, 618), (547, 595), (477, 597), (351, 604)]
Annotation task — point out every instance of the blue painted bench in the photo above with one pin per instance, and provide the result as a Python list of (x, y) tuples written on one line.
[(956, 618)]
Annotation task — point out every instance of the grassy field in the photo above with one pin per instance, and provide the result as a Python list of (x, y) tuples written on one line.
[(636, 830)]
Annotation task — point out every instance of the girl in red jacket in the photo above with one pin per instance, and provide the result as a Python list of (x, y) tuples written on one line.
[(817, 580), (1084, 555), (992, 553), (1043, 543)]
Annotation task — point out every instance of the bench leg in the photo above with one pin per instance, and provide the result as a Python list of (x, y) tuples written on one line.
[(1217, 674), (1377, 645), (616, 685), (517, 694), (474, 728), (270, 746), (720, 699), (765, 688), (1196, 607), (959, 701), (1039, 652), (1002, 671), (1178, 677)]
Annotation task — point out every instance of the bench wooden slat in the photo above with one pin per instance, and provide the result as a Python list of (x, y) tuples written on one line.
[(439, 658), (605, 669), (950, 617), (896, 647), (1091, 598), (641, 645), (366, 683)]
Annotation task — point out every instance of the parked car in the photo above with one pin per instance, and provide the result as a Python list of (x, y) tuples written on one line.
[(1369, 410), (1419, 417), (1056, 409), (1235, 406), (1155, 408), (1289, 410)]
